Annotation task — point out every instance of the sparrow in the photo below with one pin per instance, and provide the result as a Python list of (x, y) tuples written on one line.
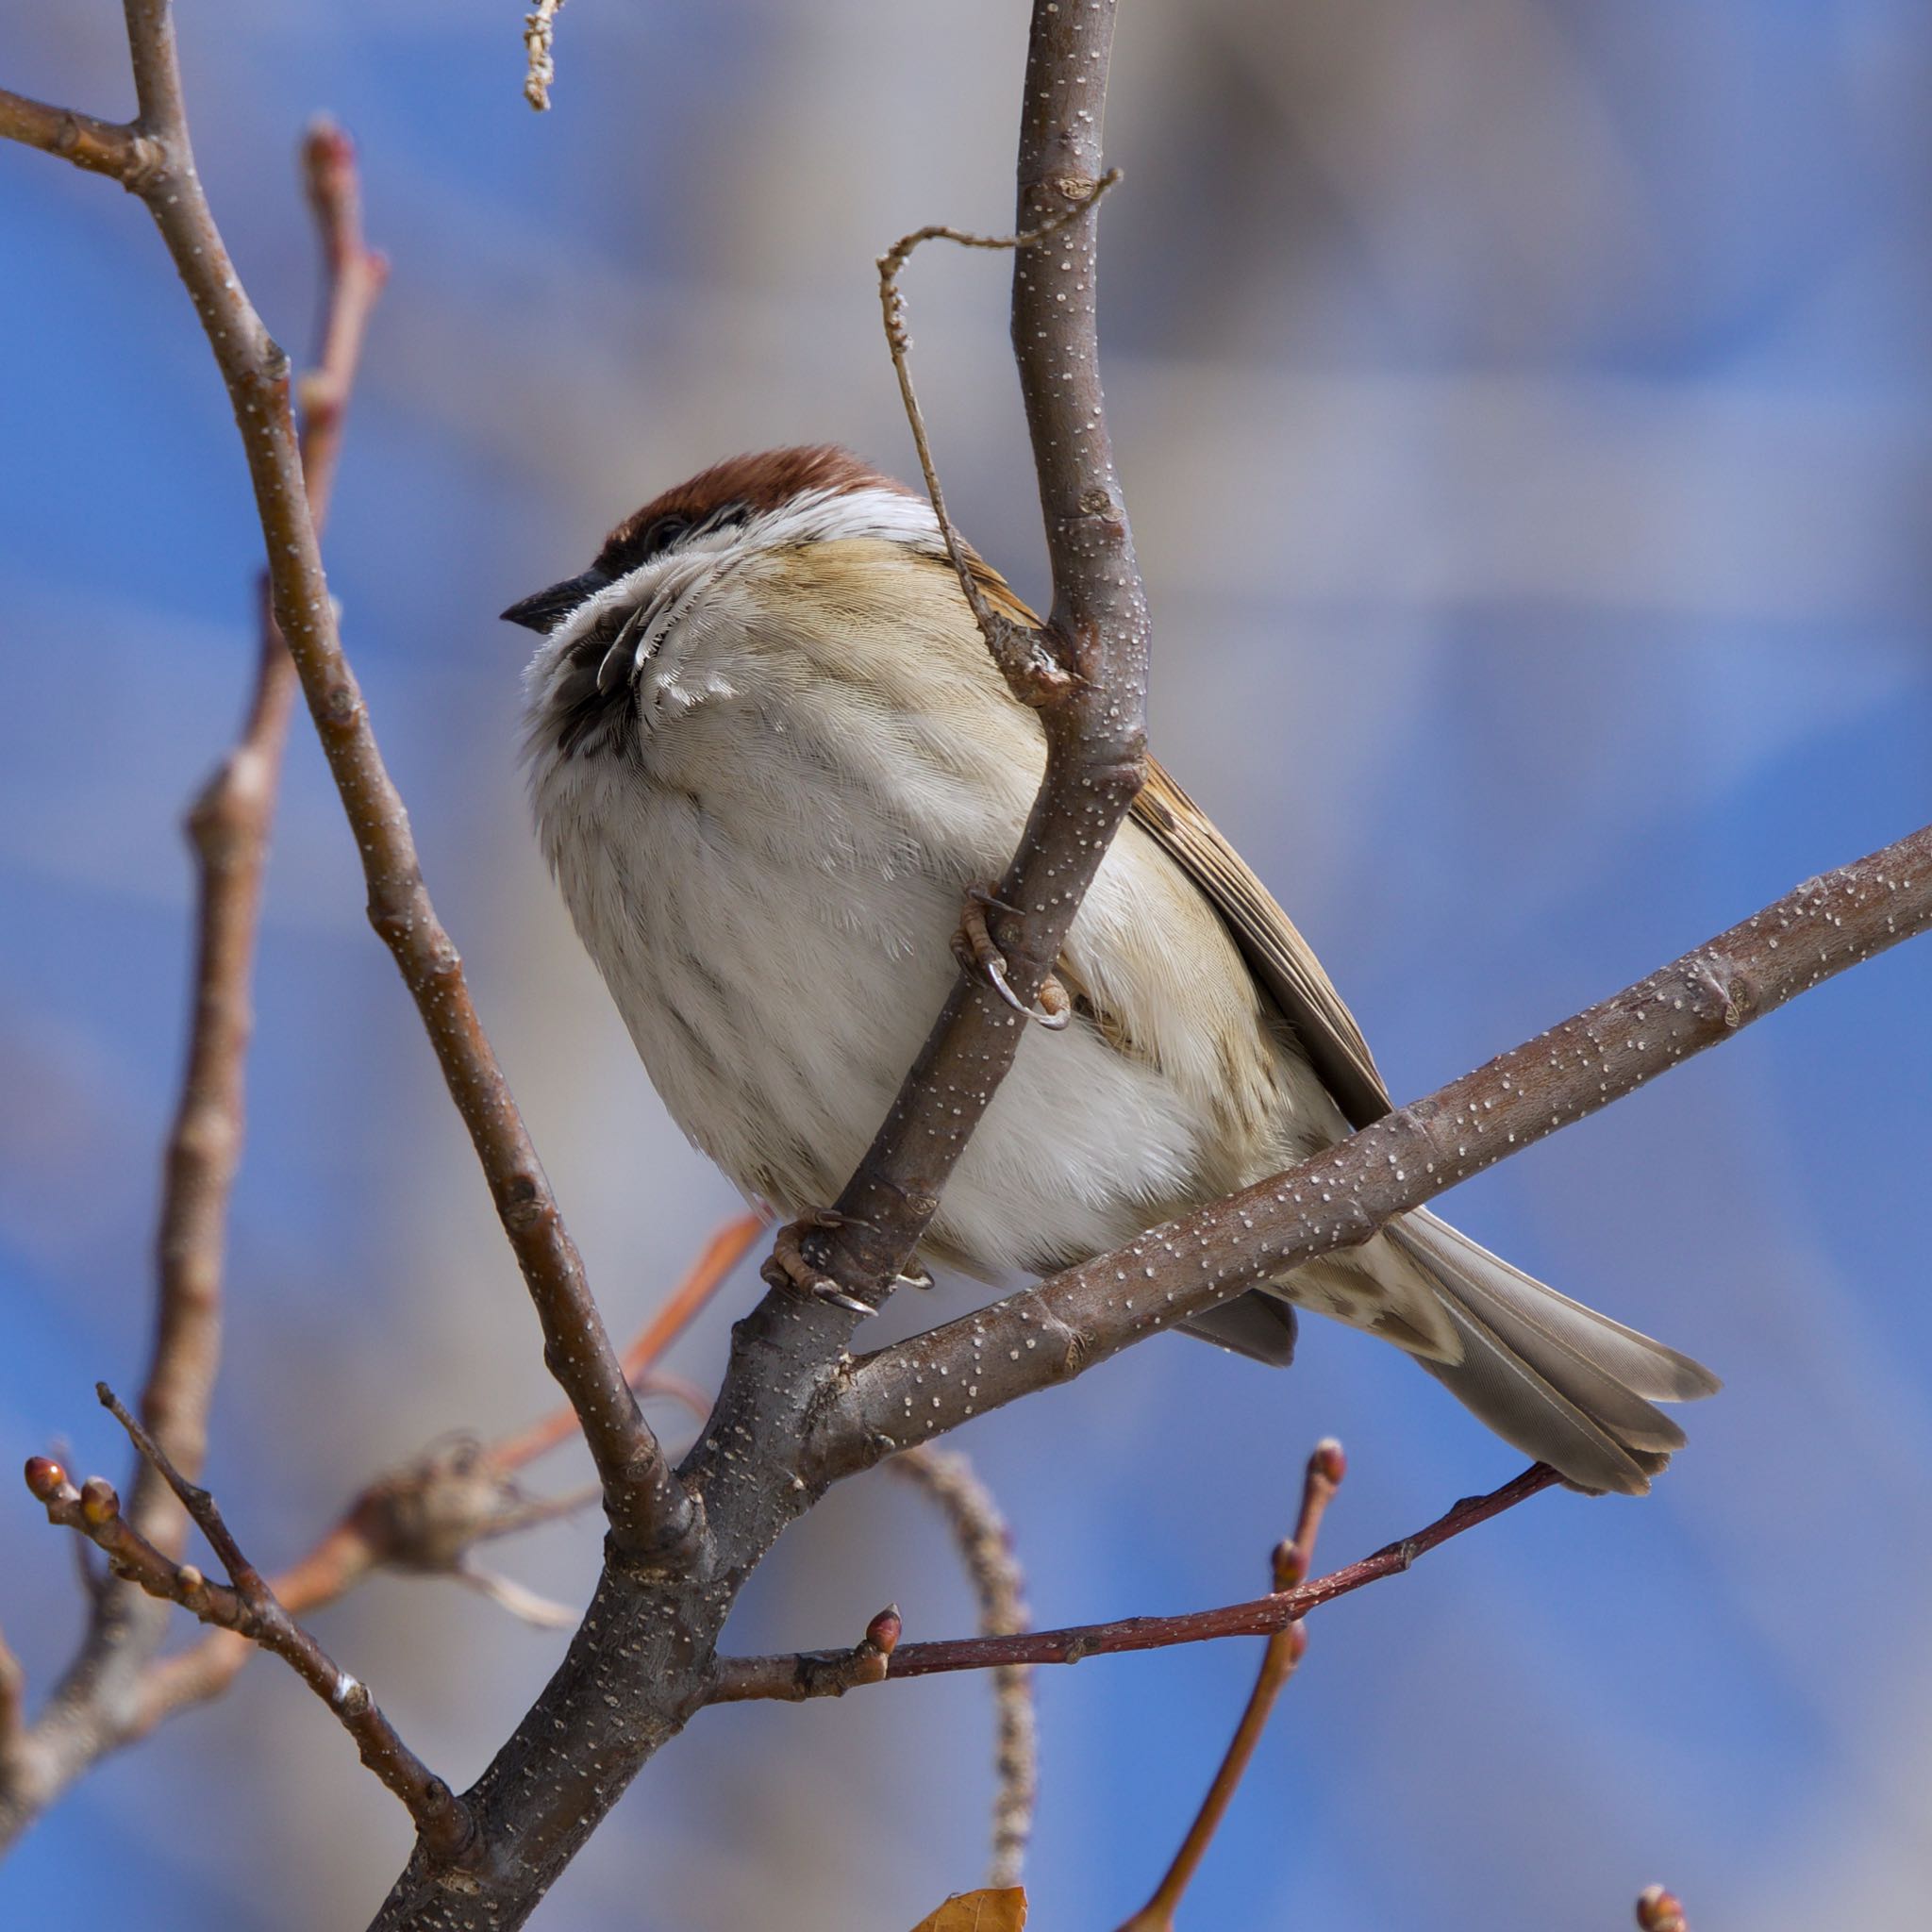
[(770, 759)]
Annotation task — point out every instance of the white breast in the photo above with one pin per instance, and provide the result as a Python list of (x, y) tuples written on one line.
[(768, 882)]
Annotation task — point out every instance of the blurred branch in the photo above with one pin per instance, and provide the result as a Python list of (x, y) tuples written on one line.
[(648, 1510), (93, 1708), (247, 1606), (1065, 1326), (1291, 1562), (946, 1479), (726, 1249), (539, 32)]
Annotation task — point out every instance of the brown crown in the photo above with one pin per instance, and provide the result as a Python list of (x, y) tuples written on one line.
[(760, 482)]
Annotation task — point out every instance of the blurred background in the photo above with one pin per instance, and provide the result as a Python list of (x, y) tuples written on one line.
[(1524, 410)]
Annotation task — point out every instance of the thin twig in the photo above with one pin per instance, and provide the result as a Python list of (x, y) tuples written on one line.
[(810, 1674), (1283, 1653), (755, 1677), (102, 147), (247, 1606), (946, 1477), (1020, 650), (726, 1249), (228, 826), (428, 1515), (99, 1701)]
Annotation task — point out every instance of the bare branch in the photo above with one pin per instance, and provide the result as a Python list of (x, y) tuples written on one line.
[(1079, 1317), (99, 1702), (986, 1546), (726, 1249), (247, 1606), (102, 147), (742, 1678), (649, 1511), (812, 1672), (229, 826), (1291, 1562)]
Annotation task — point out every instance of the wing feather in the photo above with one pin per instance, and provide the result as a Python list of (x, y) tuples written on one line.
[(1280, 958)]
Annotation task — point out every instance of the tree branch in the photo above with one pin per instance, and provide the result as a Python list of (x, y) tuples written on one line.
[(248, 1606), (753, 1677), (1077, 1319), (97, 1703), (648, 1510), (1291, 1562), (102, 147)]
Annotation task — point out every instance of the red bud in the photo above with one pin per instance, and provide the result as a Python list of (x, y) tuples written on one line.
[(882, 1633), (45, 1477)]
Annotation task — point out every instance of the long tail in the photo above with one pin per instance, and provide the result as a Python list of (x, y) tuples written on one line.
[(1564, 1384)]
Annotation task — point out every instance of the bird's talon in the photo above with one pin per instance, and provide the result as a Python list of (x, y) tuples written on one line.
[(973, 947), (787, 1266), (914, 1276)]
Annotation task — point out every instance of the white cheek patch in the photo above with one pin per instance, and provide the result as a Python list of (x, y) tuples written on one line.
[(659, 645)]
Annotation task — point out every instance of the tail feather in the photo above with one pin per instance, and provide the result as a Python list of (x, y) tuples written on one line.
[(1563, 1383)]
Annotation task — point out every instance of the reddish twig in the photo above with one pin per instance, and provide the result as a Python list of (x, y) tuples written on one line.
[(946, 1479), (228, 826), (726, 1249), (248, 1606), (427, 1516), (1291, 1562), (809, 1674), (754, 1676)]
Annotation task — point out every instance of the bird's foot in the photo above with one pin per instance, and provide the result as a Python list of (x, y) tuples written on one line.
[(789, 1266), (973, 947)]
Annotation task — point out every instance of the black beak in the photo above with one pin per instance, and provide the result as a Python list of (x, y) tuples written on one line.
[(548, 608)]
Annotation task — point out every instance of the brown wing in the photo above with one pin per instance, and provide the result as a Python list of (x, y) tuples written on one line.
[(1280, 958), (1277, 955)]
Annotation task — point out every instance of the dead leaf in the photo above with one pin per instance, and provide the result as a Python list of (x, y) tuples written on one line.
[(979, 1911)]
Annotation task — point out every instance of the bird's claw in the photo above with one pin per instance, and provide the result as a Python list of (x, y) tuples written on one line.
[(974, 949), (787, 1266)]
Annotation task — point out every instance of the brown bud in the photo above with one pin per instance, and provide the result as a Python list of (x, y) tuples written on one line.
[(98, 1502), (1329, 1462), (190, 1579), (882, 1633), (45, 1477), (1291, 1566), (1296, 1641), (1659, 1910)]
